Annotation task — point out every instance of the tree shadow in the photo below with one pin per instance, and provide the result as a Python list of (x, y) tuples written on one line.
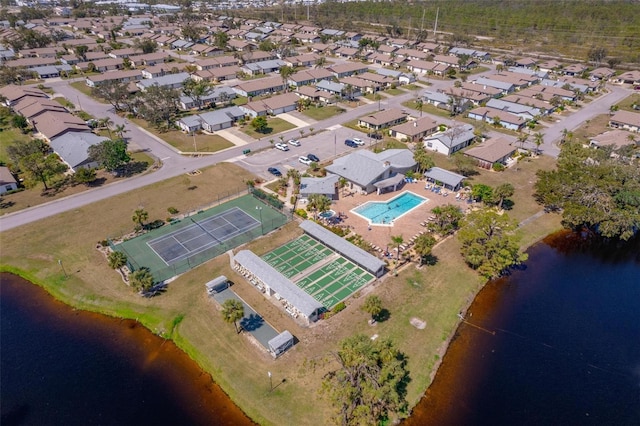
[(252, 322), (133, 168), (6, 204), (383, 316), (430, 260), (507, 204), (156, 290), (97, 182)]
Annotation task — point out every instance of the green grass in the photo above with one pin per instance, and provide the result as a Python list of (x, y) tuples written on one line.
[(322, 113), (240, 100), (275, 125), (183, 142), (427, 108), (82, 87), (9, 136), (626, 103), (65, 103), (394, 92)]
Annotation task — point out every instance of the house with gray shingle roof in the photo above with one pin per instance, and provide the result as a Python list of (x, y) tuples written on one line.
[(327, 186), (451, 140), (73, 148), (362, 168)]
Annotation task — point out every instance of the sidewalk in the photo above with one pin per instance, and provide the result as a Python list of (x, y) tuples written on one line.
[(232, 136)]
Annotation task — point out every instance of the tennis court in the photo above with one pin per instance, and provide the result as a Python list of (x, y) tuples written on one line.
[(325, 275), (203, 234), (184, 244)]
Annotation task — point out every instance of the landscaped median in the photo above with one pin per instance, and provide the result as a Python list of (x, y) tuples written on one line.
[(434, 294)]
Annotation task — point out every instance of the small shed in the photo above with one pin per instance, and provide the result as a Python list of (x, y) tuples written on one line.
[(217, 285), (281, 343)]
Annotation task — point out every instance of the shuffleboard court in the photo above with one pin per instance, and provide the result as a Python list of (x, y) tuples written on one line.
[(202, 235)]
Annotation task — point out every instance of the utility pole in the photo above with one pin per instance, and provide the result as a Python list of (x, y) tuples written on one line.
[(62, 266), (435, 26)]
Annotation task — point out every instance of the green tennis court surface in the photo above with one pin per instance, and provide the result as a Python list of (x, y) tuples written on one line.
[(327, 276)]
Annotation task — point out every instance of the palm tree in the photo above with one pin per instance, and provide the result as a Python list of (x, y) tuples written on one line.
[(502, 192), (522, 139), (106, 123), (419, 105), (120, 130), (397, 241), (141, 280), (139, 216), (538, 139), (232, 311), (423, 245), (373, 306), (342, 184), (117, 260), (318, 203)]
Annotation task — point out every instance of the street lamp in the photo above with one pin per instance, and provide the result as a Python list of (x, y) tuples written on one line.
[(270, 381), (262, 231), (62, 266)]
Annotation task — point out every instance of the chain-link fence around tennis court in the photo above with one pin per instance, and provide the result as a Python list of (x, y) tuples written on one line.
[(139, 254)]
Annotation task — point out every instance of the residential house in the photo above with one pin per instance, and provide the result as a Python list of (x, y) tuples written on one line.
[(308, 77), (217, 94), (14, 94), (492, 151), (383, 119), (260, 86), (437, 99), (518, 98), (426, 67), (217, 74), (488, 91), (364, 169), (257, 56), (304, 60), (414, 130), (625, 120), (519, 80), (121, 76), (399, 76), (7, 180), (504, 87), (550, 66), (449, 180), (355, 86), (263, 67), (220, 119), (602, 73), (574, 70), (73, 149), (161, 70), (615, 138), (150, 59), (327, 186), (172, 81), (526, 63), (347, 69), (31, 107), (101, 65), (524, 111), (451, 140), (314, 95), (217, 62), (335, 89), (547, 93), (275, 105), (52, 124), (454, 62), (125, 53), (629, 77), (495, 116)]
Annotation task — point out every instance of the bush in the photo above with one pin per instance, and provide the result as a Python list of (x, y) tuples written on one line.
[(339, 307), (293, 200), (498, 167), (302, 213), (172, 210)]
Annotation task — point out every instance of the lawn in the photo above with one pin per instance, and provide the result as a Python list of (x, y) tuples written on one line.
[(240, 100), (626, 103), (427, 108), (82, 86), (435, 294), (65, 103), (394, 92), (184, 142), (323, 112), (8, 136), (275, 125)]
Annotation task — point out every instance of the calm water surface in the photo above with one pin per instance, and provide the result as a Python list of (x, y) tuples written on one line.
[(65, 367), (566, 348)]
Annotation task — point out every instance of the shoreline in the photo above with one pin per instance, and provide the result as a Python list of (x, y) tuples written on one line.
[(186, 346)]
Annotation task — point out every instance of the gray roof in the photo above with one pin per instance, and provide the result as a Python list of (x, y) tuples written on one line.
[(556, 83), (73, 146), (364, 167), (330, 86), (283, 339), (302, 301), (165, 80), (527, 71), (483, 81), (436, 96), (392, 181), (445, 176), (211, 285), (463, 134), (192, 121), (389, 73), (265, 65), (513, 108), (344, 247), (325, 185)]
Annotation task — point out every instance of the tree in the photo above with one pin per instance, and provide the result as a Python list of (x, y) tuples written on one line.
[(597, 54), (81, 51), (117, 260), (146, 45), (465, 165), (596, 192), (423, 246), (522, 139), (114, 92), (139, 216), (192, 32), (370, 383), (110, 154), (232, 312), (159, 105), (502, 192), (318, 203), (482, 192), (419, 105), (18, 150), (490, 243), (373, 306), (538, 139), (285, 73), (85, 175), (447, 219), (196, 90), (424, 161), (20, 122), (142, 279), (221, 39), (40, 165), (260, 124), (397, 241)]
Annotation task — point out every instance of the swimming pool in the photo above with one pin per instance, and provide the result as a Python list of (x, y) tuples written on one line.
[(385, 212)]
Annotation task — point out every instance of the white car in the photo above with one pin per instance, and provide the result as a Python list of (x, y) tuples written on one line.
[(305, 160), (282, 146), (358, 141), (294, 142)]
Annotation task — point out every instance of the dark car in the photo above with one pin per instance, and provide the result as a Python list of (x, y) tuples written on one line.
[(349, 142), (274, 171), (313, 158), (375, 135)]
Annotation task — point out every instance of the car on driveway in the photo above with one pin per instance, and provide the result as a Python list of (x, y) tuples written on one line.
[(305, 160), (313, 158), (349, 142), (358, 141), (294, 142), (282, 146), (274, 171)]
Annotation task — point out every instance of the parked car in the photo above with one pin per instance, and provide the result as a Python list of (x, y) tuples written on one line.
[(349, 142), (358, 141), (305, 160), (375, 135), (313, 158), (282, 146), (274, 171), (294, 142)]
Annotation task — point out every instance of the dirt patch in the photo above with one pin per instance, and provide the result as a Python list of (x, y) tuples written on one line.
[(418, 323)]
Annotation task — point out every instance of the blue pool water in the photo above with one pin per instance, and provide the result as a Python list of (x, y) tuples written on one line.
[(385, 212), (327, 214)]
